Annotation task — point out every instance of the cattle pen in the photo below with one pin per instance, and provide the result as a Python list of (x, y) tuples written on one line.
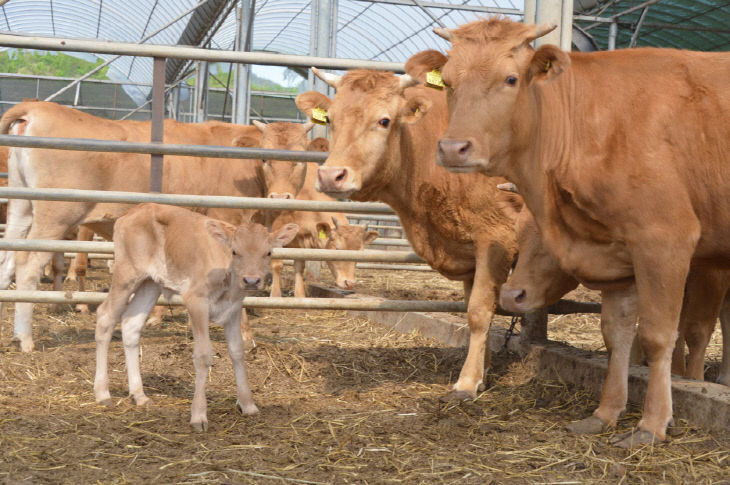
[(344, 397)]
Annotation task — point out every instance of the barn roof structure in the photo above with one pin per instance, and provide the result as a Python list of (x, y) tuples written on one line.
[(389, 30)]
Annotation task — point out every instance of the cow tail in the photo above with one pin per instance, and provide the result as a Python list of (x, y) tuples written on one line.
[(17, 113)]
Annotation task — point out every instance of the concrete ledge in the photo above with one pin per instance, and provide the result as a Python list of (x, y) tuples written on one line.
[(704, 404)]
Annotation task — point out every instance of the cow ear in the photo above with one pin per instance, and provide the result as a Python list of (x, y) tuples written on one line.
[(221, 231), (306, 102), (510, 203), (251, 137), (369, 237), (324, 229), (319, 144), (285, 235), (548, 62), (415, 108), (424, 62)]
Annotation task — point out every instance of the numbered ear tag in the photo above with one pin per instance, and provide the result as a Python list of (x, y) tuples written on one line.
[(434, 80), (322, 234), (319, 116)]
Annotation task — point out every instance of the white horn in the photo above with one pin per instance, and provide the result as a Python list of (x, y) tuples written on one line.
[(443, 32), (541, 30), (406, 81), (259, 125), (331, 79), (508, 187)]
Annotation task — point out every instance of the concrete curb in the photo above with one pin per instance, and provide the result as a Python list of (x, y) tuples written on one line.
[(704, 404)]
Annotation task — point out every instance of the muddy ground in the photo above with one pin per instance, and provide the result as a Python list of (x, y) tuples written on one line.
[(342, 400)]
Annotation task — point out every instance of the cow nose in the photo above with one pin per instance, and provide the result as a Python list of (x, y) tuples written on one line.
[(280, 195), (454, 153), (251, 281), (331, 179), (510, 298), (350, 284)]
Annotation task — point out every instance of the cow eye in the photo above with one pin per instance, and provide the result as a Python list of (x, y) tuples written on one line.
[(385, 122), (511, 80), (268, 254), (235, 253)]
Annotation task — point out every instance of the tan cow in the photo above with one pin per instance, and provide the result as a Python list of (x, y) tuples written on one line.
[(537, 281), (621, 157), (40, 168), (317, 230), (210, 263), (383, 141)]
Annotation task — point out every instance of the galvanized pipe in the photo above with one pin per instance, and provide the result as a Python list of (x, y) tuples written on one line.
[(74, 195), (370, 304), (384, 241), (193, 53), (104, 247), (374, 217), (116, 146)]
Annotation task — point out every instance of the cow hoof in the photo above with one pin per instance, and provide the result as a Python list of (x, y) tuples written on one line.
[(248, 409), (25, 343), (457, 396), (634, 438), (200, 427), (82, 309), (140, 400), (107, 402), (589, 425)]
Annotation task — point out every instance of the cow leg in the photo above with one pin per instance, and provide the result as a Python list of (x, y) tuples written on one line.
[(107, 315), (57, 264), (276, 266), (660, 276), (202, 360), (79, 266), (481, 299), (20, 219), (133, 320), (245, 401), (618, 325), (724, 376), (299, 290), (246, 331)]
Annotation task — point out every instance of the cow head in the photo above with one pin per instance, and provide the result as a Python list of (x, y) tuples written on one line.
[(488, 74), (250, 245), (284, 180), (537, 279), (341, 235), (365, 121)]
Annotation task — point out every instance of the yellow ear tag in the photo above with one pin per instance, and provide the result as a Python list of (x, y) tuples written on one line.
[(547, 65), (319, 116), (434, 79), (322, 234)]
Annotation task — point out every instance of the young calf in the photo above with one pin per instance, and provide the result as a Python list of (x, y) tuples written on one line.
[(210, 263)]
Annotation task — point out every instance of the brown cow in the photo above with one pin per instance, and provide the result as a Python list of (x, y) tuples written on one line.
[(210, 263), (621, 157), (40, 168), (537, 281), (316, 231), (383, 140)]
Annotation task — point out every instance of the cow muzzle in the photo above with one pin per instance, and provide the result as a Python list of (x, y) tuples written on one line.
[(456, 155), (515, 299), (336, 181), (347, 284), (281, 195), (251, 283)]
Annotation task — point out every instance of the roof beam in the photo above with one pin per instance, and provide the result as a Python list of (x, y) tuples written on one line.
[(448, 6)]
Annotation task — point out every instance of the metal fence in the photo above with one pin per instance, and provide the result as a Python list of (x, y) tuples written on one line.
[(371, 211)]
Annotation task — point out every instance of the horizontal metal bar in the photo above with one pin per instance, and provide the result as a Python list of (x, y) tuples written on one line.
[(452, 6), (369, 304), (90, 255), (385, 241), (397, 267), (74, 195), (116, 146), (383, 226), (373, 217), (104, 247), (194, 53)]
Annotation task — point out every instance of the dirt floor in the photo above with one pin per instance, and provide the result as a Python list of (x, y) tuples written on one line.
[(342, 400)]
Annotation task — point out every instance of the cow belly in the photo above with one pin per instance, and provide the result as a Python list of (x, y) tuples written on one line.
[(593, 264)]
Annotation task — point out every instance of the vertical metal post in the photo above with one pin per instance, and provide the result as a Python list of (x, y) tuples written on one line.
[(241, 90), (201, 92), (558, 12), (322, 43), (157, 128), (612, 35), (529, 14)]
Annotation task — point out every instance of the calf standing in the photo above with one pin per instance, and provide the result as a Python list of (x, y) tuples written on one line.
[(209, 262)]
